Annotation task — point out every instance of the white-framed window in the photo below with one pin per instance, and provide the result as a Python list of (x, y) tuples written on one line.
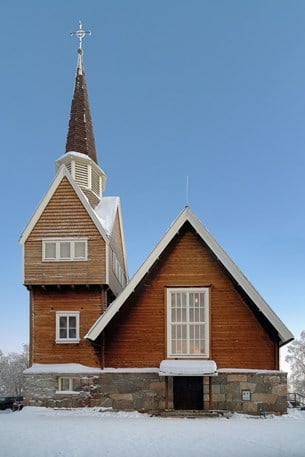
[(64, 249), (67, 327), (69, 385), (188, 322)]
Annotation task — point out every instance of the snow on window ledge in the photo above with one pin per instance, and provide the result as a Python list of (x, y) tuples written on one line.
[(66, 392)]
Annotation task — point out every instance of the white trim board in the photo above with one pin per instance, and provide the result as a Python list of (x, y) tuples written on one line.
[(187, 216), (62, 172)]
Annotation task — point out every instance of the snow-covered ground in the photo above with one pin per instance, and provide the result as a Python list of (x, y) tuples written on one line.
[(91, 432)]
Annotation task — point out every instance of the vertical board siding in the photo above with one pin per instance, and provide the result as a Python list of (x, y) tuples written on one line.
[(45, 303), (116, 245), (137, 336), (117, 241), (65, 216)]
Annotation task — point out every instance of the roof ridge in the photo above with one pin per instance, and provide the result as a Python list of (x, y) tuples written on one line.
[(186, 215)]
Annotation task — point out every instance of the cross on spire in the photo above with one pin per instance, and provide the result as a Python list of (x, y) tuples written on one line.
[(80, 34), (80, 136)]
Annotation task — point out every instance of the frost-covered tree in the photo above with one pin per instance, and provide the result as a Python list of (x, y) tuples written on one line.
[(2, 370), (296, 360), (11, 371)]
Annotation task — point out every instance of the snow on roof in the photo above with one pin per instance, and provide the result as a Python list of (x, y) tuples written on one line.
[(75, 368), (106, 212), (103, 215), (167, 368), (62, 368), (187, 367), (131, 370), (247, 370), (187, 216)]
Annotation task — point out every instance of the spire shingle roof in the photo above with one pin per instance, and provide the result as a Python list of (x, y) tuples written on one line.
[(80, 136)]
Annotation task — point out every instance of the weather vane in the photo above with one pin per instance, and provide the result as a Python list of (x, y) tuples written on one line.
[(80, 34)]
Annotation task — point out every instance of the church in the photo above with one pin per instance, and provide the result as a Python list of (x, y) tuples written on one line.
[(187, 333)]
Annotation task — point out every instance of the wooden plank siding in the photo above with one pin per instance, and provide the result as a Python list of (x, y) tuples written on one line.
[(116, 245), (65, 216), (238, 339), (116, 240), (44, 304)]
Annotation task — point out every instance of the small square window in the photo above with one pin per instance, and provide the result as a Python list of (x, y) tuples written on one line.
[(67, 384), (67, 327)]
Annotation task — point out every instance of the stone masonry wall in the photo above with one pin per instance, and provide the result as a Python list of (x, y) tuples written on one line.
[(41, 390), (267, 391), (120, 391)]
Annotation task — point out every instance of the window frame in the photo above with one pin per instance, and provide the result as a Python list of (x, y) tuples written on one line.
[(67, 314), (58, 241), (187, 322), (69, 391)]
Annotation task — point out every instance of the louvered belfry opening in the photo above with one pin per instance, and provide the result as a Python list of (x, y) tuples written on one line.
[(80, 136)]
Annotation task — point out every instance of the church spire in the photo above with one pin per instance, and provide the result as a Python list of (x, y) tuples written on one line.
[(80, 136), (80, 155)]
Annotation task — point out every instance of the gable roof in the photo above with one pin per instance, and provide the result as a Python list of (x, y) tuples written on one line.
[(103, 224), (187, 216), (106, 211)]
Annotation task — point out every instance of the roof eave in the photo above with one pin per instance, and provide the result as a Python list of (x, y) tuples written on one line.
[(62, 172), (186, 215)]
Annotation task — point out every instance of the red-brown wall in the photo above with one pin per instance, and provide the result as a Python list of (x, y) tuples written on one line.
[(44, 304), (137, 336), (65, 216)]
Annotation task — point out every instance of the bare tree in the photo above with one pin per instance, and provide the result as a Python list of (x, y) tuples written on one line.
[(11, 371), (296, 359)]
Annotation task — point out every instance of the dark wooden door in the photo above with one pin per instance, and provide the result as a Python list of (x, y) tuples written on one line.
[(188, 392)]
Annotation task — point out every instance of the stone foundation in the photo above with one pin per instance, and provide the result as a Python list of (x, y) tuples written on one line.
[(250, 392), (120, 391)]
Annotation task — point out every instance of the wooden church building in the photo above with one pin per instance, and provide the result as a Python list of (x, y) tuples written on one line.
[(187, 332)]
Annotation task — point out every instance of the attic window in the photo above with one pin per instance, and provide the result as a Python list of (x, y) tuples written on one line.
[(188, 322), (64, 249)]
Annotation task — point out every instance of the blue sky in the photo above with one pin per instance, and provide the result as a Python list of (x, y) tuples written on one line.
[(209, 90)]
